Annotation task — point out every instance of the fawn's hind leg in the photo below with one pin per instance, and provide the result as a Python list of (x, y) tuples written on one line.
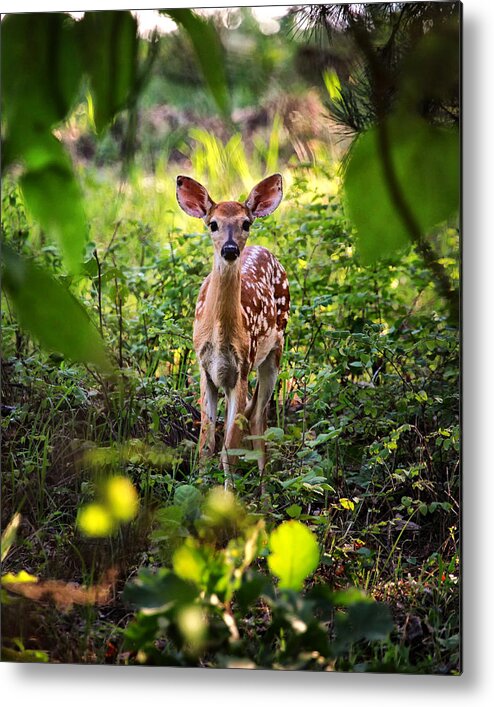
[(258, 408), (235, 406)]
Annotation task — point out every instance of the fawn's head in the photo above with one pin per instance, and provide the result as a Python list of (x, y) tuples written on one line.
[(229, 221)]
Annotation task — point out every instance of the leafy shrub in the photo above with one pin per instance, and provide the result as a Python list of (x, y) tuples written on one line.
[(205, 608)]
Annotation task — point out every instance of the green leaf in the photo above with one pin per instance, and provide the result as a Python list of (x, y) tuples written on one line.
[(108, 43), (141, 633), (274, 434), (40, 150), (323, 437), (209, 52), (294, 510), (431, 70), (294, 554), (50, 312), (426, 163), (367, 620), (159, 591), (247, 454), (41, 70), (189, 499), (41, 76), (54, 199), (253, 585), (189, 563), (347, 597), (170, 520)]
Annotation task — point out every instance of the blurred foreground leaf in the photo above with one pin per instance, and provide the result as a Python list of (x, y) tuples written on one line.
[(44, 58), (160, 591), (19, 578), (294, 554), (122, 498), (54, 198), (363, 620), (41, 70), (426, 163), (50, 312), (95, 520), (108, 43), (209, 51), (189, 563), (9, 535)]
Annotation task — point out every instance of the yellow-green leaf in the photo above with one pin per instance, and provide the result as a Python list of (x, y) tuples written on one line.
[(8, 536), (294, 554), (95, 520), (122, 498), (21, 577), (188, 563)]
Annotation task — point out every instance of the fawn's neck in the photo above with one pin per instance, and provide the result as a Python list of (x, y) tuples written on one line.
[(223, 299)]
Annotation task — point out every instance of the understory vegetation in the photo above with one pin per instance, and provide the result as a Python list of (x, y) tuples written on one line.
[(363, 437), (119, 546)]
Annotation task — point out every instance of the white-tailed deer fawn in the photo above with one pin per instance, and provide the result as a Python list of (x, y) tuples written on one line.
[(240, 318)]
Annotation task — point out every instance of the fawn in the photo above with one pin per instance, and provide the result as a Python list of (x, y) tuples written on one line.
[(240, 318)]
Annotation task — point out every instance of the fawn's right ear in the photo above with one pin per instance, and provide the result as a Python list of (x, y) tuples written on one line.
[(193, 197)]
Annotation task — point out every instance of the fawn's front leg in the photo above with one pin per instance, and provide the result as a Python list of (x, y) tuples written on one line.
[(209, 408), (236, 399)]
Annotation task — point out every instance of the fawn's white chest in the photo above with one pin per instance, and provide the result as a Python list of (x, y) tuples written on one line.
[(220, 361)]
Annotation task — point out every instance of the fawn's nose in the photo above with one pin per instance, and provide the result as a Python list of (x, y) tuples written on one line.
[(230, 251)]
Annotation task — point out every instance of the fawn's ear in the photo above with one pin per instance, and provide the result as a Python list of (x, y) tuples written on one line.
[(193, 197), (266, 196)]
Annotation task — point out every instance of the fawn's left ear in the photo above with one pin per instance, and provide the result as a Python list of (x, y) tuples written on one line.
[(193, 197), (265, 196)]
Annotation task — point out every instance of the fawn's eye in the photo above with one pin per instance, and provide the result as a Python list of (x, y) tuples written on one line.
[(213, 226), (246, 225)]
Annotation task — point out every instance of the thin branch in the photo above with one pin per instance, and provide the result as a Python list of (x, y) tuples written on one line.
[(100, 306)]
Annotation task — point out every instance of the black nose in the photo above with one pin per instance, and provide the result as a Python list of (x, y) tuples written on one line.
[(230, 251)]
